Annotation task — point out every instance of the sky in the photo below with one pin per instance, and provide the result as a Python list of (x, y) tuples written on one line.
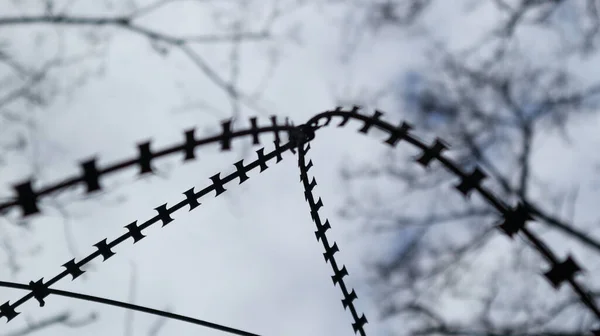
[(250, 256)]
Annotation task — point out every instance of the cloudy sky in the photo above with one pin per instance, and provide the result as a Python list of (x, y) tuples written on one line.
[(248, 259)]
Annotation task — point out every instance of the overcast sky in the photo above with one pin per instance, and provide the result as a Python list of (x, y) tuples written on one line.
[(248, 259), (250, 256)]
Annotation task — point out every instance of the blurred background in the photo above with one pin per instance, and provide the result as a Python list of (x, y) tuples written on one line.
[(512, 86)]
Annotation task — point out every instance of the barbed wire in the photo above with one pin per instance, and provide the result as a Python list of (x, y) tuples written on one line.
[(512, 219), (27, 199), (40, 289), (330, 250)]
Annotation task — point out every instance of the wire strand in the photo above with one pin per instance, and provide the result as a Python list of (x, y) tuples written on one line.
[(126, 305)]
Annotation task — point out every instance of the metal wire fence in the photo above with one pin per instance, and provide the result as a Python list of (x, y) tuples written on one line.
[(512, 219)]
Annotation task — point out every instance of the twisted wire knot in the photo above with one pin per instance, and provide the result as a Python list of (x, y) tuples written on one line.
[(300, 135)]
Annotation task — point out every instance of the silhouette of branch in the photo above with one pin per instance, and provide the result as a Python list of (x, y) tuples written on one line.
[(181, 42), (64, 319), (126, 23)]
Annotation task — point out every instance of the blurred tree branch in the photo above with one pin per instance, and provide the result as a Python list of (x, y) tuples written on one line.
[(492, 101), (62, 319)]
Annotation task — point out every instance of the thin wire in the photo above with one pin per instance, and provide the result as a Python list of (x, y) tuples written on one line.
[(126, 305)]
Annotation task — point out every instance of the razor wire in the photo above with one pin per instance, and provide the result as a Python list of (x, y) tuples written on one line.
[(513, 219)]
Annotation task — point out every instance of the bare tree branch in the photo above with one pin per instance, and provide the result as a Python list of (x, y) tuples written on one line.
[(64, 319)]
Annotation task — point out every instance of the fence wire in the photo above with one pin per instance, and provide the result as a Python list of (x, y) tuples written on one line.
[(512, 219)]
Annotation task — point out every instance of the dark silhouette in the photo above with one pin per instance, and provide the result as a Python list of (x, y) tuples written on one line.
[(512, 219)]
